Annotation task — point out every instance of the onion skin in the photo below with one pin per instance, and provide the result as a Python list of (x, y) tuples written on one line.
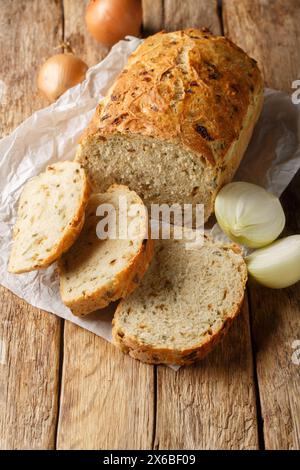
[(59, 73), (108, 21)]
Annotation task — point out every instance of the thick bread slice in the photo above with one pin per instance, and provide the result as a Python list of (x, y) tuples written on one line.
[(95, 272), (184, 305), (175, 124), (50, 216)]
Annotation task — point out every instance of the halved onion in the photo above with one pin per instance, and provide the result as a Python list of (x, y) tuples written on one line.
[(249, 214), (277, 265)]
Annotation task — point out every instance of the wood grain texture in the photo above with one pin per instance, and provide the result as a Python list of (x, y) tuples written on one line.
[(269, 31), (29, 365), (25, 45), (75, 32), (29, 338), (172, 15), (275, 328), (107, 399), (211, 405)]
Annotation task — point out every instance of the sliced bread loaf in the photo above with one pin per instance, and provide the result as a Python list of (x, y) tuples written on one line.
[(184, 305), (95, 272), (50, 216)]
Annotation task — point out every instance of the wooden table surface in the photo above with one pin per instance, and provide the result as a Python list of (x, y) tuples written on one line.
[(63, 387)]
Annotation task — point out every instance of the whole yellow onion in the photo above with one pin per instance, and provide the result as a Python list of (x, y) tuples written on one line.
[(108, 21), (59, 73)]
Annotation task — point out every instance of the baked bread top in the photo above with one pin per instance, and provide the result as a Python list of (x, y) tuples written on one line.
[(50, 216), (186, 86)]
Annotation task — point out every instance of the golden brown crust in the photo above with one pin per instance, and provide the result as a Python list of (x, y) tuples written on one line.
[(197, 95), (151, 355)]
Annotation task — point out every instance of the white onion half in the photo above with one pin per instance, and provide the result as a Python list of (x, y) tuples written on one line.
[(276, 265), (248, 214)]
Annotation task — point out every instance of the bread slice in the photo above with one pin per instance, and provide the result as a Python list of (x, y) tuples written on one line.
[(50, 216), (95, 272), (175, 124), (184, 305)]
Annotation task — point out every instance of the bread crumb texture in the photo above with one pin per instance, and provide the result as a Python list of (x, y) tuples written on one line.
[(185, 304), (95, 272), (50, 216)]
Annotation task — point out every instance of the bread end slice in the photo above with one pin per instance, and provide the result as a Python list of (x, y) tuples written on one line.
[(50, 216)]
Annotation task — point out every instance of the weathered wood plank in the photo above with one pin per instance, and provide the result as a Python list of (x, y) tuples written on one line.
[(275, 328), (270, 32), (211, 405), (29, 338), (29, 365), (107, 399), (172, 15), (75, 32)]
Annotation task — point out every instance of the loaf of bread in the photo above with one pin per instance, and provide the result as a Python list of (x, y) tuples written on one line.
[(50, 216), (176, 123), (184, 305), (95, 272)]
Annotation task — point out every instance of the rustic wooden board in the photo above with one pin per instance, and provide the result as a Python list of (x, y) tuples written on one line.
[(269, 31), (29, 338), (82, 43), (172, 15), (275, 328), (211, 405), (107, 399)]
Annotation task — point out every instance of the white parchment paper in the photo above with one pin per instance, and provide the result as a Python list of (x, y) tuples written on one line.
[(51, 134)]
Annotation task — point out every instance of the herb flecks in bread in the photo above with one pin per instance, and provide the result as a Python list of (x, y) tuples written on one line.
[(176, 123), (95, 272), (50, 216), (184, 305)]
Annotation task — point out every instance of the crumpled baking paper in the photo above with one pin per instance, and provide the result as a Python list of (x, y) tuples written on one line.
[(51, 134)]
